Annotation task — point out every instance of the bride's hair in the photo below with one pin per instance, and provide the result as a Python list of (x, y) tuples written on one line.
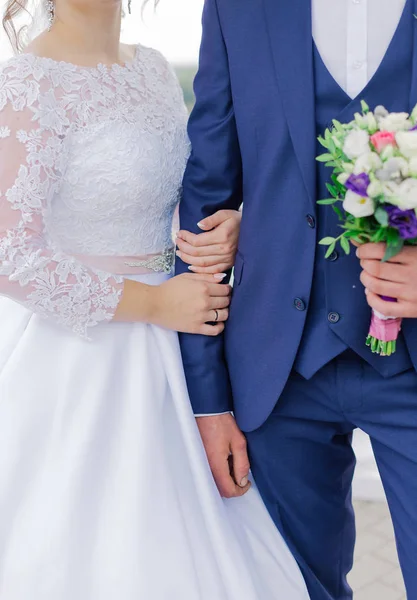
[(13, 9), (18, 35)]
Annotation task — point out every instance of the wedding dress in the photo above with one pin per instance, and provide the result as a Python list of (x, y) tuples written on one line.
[(105, 491)]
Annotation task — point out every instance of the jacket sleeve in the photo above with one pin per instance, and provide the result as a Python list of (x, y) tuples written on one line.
[(213, 181)]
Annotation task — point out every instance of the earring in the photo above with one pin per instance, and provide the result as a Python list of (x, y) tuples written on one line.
[(129, 7), (50, 7)]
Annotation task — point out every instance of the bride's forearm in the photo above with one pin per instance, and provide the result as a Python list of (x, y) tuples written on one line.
[(137, 302), (185, 303)]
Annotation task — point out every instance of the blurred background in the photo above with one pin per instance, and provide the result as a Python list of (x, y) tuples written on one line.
[(175, 29)]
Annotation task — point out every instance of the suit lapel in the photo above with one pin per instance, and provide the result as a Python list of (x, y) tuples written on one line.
[(289, 27), (413, 93)]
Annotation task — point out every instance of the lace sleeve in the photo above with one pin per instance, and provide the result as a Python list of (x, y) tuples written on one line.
[(45, 280)]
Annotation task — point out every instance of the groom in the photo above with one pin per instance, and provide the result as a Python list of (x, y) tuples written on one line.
[(293, 364)]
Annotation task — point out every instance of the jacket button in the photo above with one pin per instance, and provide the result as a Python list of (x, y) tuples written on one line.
[(333, 256), (311, 221), (299, 304), (333, 317)]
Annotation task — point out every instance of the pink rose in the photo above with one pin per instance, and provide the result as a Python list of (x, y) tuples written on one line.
[(382, 139)]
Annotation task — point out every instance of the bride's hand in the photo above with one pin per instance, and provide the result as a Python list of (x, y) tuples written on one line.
[(215, 250), (188, 302)]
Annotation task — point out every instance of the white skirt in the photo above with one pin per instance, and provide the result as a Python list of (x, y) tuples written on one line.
[(105, 491)]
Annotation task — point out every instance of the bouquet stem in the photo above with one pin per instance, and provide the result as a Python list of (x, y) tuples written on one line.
[(383, 334)]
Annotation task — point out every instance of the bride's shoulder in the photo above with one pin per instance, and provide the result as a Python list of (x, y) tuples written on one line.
[(16, 66), (153, 61), (20, 82)]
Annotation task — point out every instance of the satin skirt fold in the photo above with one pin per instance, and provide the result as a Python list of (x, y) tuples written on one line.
[(105, 491)]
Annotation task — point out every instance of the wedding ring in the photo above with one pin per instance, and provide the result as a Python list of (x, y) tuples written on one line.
[(217, 315)]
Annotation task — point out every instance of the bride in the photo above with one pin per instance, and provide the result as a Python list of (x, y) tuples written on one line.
[(105, 492)]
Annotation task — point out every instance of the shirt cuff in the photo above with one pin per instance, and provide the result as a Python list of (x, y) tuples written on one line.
[(214, 414)]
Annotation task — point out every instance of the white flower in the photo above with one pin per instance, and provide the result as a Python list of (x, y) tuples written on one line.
[(391, 190), (394, 168), (380, 112), (4, 132), (413, 166), (343, 177), (395, 122), (375, 189), (387, 152), (407, 143), (407, 196), (348, 168), (358, 206), (403, 195), (367, 162), (356, 143)]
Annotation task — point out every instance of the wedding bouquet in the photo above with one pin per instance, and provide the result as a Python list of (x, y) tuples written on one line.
[(373, 190)]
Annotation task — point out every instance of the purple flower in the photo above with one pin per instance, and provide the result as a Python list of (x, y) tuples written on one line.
[(405, 221), (358, 184)]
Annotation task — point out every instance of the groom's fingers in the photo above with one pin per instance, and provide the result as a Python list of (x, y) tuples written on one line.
[(240, 463), (223, 478), (217, 268)]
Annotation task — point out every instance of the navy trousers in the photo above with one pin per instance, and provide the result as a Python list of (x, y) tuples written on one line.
[(303, 463)]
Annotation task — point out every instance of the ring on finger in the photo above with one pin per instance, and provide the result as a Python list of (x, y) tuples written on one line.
[(216, 313)]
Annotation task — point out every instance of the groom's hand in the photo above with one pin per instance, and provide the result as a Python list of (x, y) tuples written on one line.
[(227, 454), (396, 278)]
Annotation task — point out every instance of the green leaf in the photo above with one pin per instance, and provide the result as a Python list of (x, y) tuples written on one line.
[(344, 242), (327, 241), (380, 235), (332, 189), (338, 212), (381, 216), (365, 107), (330, 250), (393, 248), (322, 141), (327, 201), (332, 146), (324, 157), (352, 233), (338, 126)]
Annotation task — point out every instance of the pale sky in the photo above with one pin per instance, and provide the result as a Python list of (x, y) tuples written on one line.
[(174, 29)]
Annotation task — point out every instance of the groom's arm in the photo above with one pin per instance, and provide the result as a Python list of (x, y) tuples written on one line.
[(213, 181)]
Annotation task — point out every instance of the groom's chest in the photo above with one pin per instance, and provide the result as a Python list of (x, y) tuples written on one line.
[(270, 47), (353, 36)]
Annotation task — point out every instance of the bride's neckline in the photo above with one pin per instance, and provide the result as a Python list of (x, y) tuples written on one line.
[(100, 66)]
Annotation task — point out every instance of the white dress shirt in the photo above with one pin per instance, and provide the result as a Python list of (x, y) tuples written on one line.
[(353, 36)]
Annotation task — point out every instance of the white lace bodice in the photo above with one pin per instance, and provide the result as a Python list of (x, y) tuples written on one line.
[(91, 163)]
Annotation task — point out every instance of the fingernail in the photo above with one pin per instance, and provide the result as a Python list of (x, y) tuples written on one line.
[(357, 252), (244, 482), (191, 268), (366, 291), (201, 225), (220, 276), (178, 253)]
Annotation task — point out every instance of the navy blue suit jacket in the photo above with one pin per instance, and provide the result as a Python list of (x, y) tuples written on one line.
[(254, 141)]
